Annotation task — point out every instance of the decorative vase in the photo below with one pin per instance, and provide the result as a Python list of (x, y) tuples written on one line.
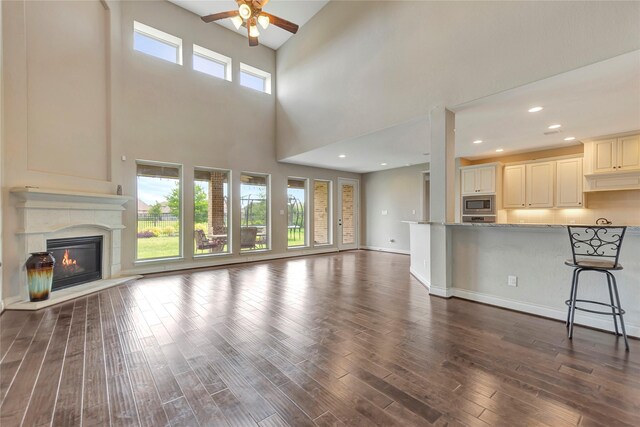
[(40, 275)]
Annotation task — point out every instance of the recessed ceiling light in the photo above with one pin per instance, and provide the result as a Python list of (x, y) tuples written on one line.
[(555, 126), (499, 150), (383, 164), (535, 109), (570, 138), (342, 156), (477, 141)]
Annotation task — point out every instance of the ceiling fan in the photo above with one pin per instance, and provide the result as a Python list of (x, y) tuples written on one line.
[(248, 15)]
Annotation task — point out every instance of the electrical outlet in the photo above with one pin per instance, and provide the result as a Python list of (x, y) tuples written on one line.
[(392, 240), (512, 281), (413, 212), (384, 212)]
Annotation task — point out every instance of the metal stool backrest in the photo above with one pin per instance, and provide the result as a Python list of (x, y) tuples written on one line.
[(596, 243)]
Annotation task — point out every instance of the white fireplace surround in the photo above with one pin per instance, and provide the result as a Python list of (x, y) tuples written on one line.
[(53, 214)]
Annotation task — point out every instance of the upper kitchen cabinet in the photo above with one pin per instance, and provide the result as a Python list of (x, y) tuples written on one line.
[(612, 163), (479, 179), (540, 184), (543, 184), (616, 154), (514, 187), (569, 183)]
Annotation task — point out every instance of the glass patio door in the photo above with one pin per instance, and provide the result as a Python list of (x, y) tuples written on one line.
[(348, 213)]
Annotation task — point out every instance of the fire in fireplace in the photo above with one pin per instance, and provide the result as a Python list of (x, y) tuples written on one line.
[(78, 260)]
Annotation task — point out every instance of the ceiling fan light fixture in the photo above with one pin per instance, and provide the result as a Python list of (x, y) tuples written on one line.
[(237, 21), (244, 11), (253, 31), (263, 21)]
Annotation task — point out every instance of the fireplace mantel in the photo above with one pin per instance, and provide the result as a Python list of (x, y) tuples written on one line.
[(51, 213)]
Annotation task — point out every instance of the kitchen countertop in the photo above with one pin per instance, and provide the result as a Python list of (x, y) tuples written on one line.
[(630, 228)]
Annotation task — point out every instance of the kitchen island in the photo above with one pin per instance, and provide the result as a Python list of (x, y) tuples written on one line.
[(484, 255)]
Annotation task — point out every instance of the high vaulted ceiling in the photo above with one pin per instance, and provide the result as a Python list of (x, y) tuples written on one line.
[(298, 12)]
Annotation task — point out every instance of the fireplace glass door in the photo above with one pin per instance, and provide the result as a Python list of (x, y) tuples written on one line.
[(78, 260)]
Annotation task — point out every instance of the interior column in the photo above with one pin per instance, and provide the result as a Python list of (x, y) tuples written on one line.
[(442, 199)]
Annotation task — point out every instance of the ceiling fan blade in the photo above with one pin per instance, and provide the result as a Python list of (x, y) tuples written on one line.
[(220, 15), (282, 23), (253, 41)]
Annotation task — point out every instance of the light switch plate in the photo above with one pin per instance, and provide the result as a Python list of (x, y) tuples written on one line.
[(512, 281), (384, 212)]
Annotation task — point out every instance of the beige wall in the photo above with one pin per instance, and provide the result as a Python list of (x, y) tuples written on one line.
[(374, 67), (398, 192), (153, 110)]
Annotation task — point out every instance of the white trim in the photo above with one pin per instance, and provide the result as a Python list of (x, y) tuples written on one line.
[(390, 250), (210, 55), (256, 72), (420, 278), (441, 292), (600, 322), (223, 261), (161, 36)]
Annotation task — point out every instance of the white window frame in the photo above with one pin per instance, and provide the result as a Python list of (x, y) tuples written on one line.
[(256, 72), (306, 212), (210, 55), (229, 212), (160, 36), (329, 213), (267, 176), (181, 231)]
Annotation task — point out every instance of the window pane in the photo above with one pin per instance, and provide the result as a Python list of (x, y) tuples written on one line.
[(296, 199), (348, 214), (209, 66), (211, 212), (321, 212), (251, 81), (154, 47), (159, 209), (254, 221)]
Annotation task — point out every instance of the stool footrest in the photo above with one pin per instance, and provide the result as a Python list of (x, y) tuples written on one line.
[(617, 310)]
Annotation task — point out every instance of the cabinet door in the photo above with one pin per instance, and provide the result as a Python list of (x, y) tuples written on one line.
[(468, 179), (604, 156), (513, 185), (569, 183), (540, 184), (629, 153), (486, 180)]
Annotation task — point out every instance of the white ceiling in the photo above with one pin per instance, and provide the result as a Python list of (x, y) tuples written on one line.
[(596, 100), (402, 145), (298, 12)]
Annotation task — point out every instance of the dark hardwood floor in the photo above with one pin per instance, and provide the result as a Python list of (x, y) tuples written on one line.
[(338, 340)]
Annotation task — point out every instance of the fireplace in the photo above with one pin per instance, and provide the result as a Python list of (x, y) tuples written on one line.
[(78, 260)]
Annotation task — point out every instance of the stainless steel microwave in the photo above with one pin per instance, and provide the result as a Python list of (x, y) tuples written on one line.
[(476, 205)]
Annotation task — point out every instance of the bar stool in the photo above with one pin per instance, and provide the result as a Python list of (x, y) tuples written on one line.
[(596, 249)]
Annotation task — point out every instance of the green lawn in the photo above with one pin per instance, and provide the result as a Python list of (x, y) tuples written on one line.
[(158, 247), (162, 247)]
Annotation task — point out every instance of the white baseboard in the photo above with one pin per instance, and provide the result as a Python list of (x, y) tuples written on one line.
[(600, 322), (391, 250), (441, 292), (420, 278)]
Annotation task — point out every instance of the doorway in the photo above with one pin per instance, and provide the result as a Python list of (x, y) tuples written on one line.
[(348, 213)]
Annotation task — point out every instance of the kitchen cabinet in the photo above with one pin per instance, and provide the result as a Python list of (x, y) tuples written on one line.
[(478, 179), (612, 163), (569, 183), (514, 187), (539, 179), (615, 154), (543, 184)]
